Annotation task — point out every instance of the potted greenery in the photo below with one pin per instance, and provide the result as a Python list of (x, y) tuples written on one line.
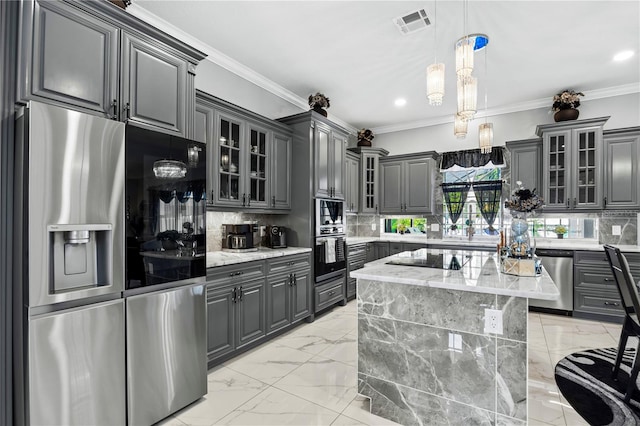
[(565, 104), (560, 230), (318, 103)]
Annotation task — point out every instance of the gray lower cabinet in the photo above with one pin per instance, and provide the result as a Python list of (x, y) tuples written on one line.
[(248, 301), (596, 294), (288, 291), (382, 249), (329, 292), (526, 163), (406, 183), (370, 255), (356, 258), (97, 58), (622, 168)]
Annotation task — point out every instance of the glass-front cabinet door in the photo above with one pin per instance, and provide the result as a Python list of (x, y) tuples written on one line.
[(557, 159), (229, 160), (369, 183), (587, 152), (258, 163)]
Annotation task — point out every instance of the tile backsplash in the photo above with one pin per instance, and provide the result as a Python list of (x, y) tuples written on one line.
[(628, 222), (215, 220)]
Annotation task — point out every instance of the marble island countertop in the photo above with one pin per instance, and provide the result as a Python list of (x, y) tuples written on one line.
[(221, 258), (479, 274), (546, 243)]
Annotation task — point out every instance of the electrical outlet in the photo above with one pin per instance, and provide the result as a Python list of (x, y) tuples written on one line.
[(373, 226), (493, 321), (435, 227), (263, 231), (616, 230)]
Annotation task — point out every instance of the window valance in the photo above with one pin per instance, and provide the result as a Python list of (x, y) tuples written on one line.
[(472, 158)]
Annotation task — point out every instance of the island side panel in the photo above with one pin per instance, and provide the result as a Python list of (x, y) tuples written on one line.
[(423, 355)]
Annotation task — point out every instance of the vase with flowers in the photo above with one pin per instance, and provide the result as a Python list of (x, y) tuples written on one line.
[(565, 104), (523, 203), (560, 230), (318, 103)]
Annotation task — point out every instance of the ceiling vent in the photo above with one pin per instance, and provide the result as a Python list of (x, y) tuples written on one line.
[(412, 22)]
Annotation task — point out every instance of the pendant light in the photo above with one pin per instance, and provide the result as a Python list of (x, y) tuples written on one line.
[(485, 130), (464, 48), (460, 127), (435, 71), (467, 97)]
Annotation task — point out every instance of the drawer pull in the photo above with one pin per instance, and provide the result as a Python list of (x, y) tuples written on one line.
[(611, 304), (608, 279)]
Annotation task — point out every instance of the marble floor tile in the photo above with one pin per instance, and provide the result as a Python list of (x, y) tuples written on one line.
[(269, 364), (577, 337), (544, 406), (323, 381), (536, 339), (227, 390), (276, 407), (540, 367), (170, 421), (343, 322), (344, 350), (343, 420), (312, 339)]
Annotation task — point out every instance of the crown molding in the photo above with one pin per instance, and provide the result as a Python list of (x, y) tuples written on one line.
[(230, 64), (625, 89)]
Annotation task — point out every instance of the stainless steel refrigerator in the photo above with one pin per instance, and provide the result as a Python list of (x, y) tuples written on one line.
[(69, 251)]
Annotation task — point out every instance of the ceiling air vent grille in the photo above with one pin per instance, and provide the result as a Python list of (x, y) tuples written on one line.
[(412, 22)]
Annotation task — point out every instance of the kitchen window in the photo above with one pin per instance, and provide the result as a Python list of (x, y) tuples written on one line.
[(472, 203), (413, 225)]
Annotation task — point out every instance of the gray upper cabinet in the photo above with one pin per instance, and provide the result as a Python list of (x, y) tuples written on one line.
[(69, 56), (369, 177), (352, 193), (622, 164), (154, 86), (406, 183), (94, 57), (249, 156), (329, 168), (281, 172), (573, 164), (526, 163)]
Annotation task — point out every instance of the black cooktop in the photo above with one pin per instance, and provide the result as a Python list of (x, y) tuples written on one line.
[(435, 261)]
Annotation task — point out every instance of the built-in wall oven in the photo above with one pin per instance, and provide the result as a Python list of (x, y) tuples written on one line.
[(329, 249)]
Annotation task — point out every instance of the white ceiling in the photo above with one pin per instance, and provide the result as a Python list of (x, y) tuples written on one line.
[(352, 52)]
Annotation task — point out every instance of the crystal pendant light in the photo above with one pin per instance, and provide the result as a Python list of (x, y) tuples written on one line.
[(460, 127), (485, 135), (169, 169), (464, 57), (467, 97), (435, 71), (435, 84)]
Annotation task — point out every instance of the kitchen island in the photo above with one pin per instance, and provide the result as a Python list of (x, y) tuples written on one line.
[(424, 356)]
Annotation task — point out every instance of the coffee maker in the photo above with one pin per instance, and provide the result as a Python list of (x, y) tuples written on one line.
[(277, 236), (238, 237)]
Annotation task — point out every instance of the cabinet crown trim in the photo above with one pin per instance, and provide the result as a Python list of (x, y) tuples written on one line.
[(312, 116), (368, 149), (426, 154), (573, 124)]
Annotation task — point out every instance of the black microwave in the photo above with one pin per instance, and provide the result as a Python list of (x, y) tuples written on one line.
[(330, 219)]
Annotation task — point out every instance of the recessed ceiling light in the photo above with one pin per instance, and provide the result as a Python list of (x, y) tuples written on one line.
[(400, 102), (624, 55)]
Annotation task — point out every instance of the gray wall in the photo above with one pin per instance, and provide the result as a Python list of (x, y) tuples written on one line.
[(624, 111)]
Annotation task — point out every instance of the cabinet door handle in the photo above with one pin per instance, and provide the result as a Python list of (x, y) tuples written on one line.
[(611, 304), (608, 279), (127, 109), (114, 107), (568, 200), (290, 280), (244, 199), (241, 295), (273, 200), (295, 279), (234, 295), (249, 200), (212, 196), (376, 208), (605, 201)]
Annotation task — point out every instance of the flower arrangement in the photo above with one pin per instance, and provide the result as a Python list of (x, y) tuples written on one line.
[(523, 200), (318, 101), (365, 136), (566, 100), (560, 230)]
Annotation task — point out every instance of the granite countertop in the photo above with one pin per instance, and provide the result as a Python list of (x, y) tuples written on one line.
[(540, 243), (221, 258), (479, 274)]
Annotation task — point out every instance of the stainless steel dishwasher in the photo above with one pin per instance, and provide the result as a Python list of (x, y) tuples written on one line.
[(559, 265)]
